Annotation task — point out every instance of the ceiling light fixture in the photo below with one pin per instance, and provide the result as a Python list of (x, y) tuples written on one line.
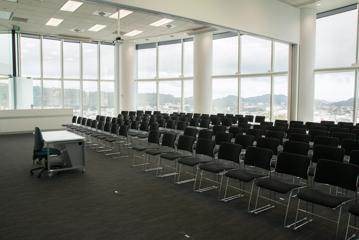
[(133, 33), (54, 22), (123, 13), (96, 28), (71, 6), (161, 22), (5, 15)]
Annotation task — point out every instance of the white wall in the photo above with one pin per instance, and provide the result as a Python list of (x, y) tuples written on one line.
[(269, 18)]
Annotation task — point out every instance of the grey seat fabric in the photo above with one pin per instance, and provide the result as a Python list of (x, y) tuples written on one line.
[(321, 198), (276, 185)]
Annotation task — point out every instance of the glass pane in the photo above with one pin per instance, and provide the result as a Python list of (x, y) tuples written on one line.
[(225, 95), (225, 56), (188, 95), (72, 96), (255, 96), (90, 99), (52, 94), (107, 62), (36, 93), (256, 55), (146, 63), (280, 97), (281, 57), (5, 93), (89, 52), (188, 59), (6, 54), (336, 40), (146, 96), (71, 60), (169, 60), (30, 57), (107, 98), (334, 93), (51, 53), (169, 96)]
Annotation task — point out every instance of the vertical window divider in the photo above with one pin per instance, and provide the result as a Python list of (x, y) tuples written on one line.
[(98, 79), (182, 76), (157, 78), (239, 75), (41, 73), (355, 102), (81, 80), (62, 73), (271, 81)]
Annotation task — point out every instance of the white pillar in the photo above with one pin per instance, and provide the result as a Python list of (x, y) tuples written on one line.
[(202, 83), (128, 75), (306, 64)]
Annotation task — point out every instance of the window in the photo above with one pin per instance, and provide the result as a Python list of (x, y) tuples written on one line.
[(336, 40), (72, 96), (107, 62), (71, 60), (188, 58), (225, 56), (255, 55), (255, 96), (225, 95), (334, 93), (36, 94), (6, 54), (169, 96), (146, 96), (89, 99), (30, 57), (146, 63), (51, 54), (188, 95), (281, 57), (107, 98), (89, 61), (280, 97), (5, 92), (169, 57), (51, 96)]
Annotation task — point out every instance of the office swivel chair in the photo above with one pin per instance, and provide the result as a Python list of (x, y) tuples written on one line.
[(40, 152)]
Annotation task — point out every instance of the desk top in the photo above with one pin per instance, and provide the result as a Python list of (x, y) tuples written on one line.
[(61, 136)]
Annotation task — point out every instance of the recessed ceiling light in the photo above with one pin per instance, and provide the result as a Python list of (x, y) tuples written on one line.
[(133, 33), (161, 22), (71, 6), (123, 13), (5, 15), (54, 22), (96, 28)]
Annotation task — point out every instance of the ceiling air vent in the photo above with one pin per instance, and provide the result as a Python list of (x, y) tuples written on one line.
[(19, 19), (102, 14), (121, 33)]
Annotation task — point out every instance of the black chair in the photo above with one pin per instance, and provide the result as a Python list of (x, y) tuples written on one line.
[(294, 166), (153, 141), (315, 132), (353, 212), (244, 140), (327, 141), (204, 123), (354, 157), (190, 131), (40, 152), (181, 125), (205, 133), (297, 124), (292, 130), (339, 129), (343, 135), (235, 130), (194, 122), (218, 128), (228, 158), (349, 145), (269, 143), (332, 173), (299, 137), (256, 133), (275, 134), (296, 147), (222, 137), (259, 119), (327, 152)]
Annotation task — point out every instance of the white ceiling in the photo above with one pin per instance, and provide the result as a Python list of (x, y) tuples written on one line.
[(38, 13), (320, 5)]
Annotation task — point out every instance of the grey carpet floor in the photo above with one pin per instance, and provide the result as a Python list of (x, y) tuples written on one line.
[(85, 206)]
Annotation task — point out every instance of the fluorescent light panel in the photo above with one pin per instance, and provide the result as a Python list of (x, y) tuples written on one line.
[(133, 33), (71, 6), (96, 28), (54, 22), (5, 15), (123, 13), (161, 22)]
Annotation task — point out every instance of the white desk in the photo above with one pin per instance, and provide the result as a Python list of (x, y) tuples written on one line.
[(72, 147)]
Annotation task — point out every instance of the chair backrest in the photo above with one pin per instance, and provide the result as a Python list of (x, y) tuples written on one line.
[(107, 127), (338, 129), (229, 152), (89, 122), (100, 125), (316, 132), (292, 130), (296, 147), (123, 131), (222, 137), (168, 140), (171, 124), (249, 118), (144, 125), (270, 143), (218, 128), (194, 122), (235, 130), (259, 119), (38, 140), (204, 123), (205, 147), (154, 137), (297, 124), (328, 141), (114, 128), (154, 126), (293, 164), (94, 124), (181, 125), (299, 137), (189, 131), (258, 157), (344, 135), (135, 124), (349, 145), (74, 118), (346, 124), (276, 134), (327, 152), (256, 133), (83, 121), (337, 174), (79, 119), (185, 143), (354, 157), (205, 133), (244, 140)]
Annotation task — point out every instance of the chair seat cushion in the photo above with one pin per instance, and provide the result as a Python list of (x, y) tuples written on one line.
[(354, 209), (44, 151), (173, 156), (276, 185), (142, 148), (243, 175), (110, 139), (321, 198), (215, 167), (192, 161), (155, 152)]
